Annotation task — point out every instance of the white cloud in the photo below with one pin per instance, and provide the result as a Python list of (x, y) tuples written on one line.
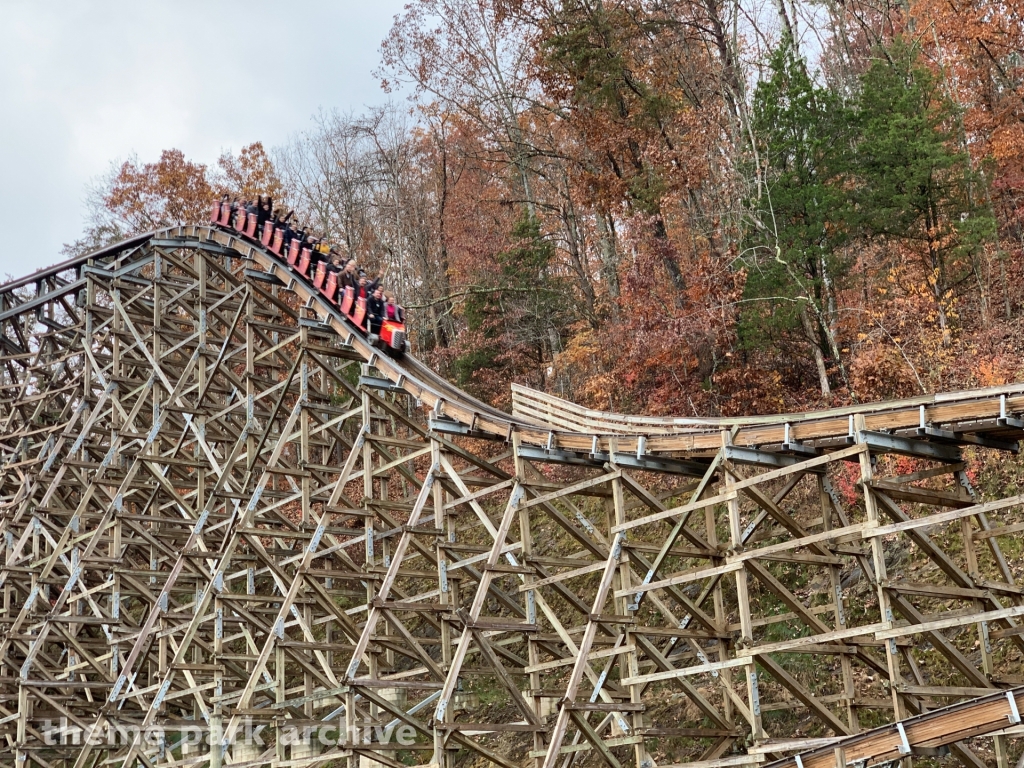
[(89, 82)]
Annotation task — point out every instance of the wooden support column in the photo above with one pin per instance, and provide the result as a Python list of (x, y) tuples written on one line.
[(881, 572), (743, 603), (839, 614)]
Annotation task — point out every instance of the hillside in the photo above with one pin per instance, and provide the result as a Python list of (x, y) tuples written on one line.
[(669, 208)]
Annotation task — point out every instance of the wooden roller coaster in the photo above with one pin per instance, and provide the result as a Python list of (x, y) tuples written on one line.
[(235, 533)]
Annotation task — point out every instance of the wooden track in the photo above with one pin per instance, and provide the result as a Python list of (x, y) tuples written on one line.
[(221, 509), (927, 735)]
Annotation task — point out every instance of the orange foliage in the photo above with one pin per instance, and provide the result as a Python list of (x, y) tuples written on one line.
[(250, 175), (173, 190), (166, 192)]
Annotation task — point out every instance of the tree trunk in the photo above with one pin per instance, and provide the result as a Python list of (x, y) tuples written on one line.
[(668, 258), (938, 274), (609, 257), (819, 358), (572, 241), (1007, 307), (826, 321)]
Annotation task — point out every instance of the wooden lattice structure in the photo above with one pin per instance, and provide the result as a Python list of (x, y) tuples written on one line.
[(224, 514)]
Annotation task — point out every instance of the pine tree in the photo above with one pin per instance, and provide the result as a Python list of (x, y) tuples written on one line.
[(792, 253), (915, 186), (525, 308)]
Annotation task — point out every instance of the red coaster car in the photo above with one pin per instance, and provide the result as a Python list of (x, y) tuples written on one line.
[(392, 332), (392, 338), (347, 299), (358, 315), (330, 286)]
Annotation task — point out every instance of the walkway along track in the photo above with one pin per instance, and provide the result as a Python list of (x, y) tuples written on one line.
[(221, 507)]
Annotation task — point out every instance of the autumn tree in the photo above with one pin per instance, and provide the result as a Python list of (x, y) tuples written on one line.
[(378, 186), (250, 175), (137, 197), (325, 170), (978, 49), (598, 64), (150, 195), (472, 58), (523, 311)]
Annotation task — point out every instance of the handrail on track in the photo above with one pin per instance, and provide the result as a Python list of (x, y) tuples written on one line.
[(529, 399)]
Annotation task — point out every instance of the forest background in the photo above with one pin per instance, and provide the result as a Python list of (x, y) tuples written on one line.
[(688, 207)]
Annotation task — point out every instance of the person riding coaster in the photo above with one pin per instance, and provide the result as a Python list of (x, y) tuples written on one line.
[(383, 332), (375, 313), (341, 283)]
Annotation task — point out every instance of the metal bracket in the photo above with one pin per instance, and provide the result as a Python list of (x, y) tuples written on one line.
[(316, 327), (882, 442), (264, 277), (965, 482), (954, 438), (904, 744), (377, 382), (1005, 419), (795, 446), (743, 455), (1014, 715), (449, 427), (628, 460)]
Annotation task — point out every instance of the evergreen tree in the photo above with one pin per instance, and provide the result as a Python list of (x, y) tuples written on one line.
[(526, 308), (792, 252), (915, 185)]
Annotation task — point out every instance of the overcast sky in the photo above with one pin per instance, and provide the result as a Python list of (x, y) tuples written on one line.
[(87, 82)]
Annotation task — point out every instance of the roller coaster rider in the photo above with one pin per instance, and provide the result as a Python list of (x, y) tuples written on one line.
[(375, 312), (337, 278), (392, 310), (348, 277), (289, 233), (264, 211), (315, 256)]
